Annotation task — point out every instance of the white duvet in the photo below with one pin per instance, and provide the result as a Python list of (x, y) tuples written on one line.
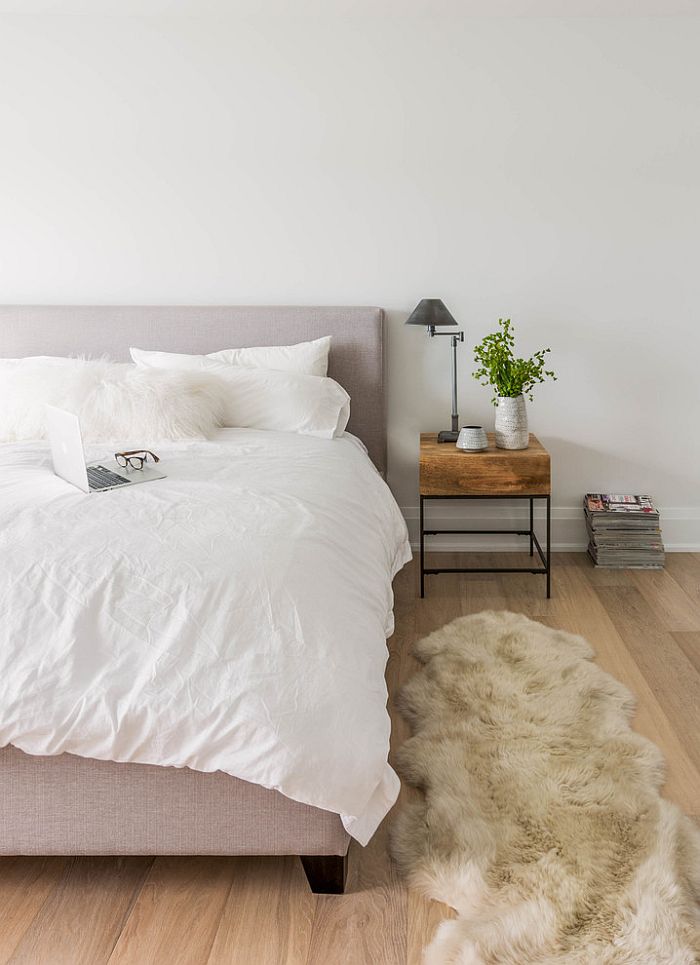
[(229, 617)]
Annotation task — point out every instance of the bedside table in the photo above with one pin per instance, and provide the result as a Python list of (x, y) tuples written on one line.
[(447, 472)]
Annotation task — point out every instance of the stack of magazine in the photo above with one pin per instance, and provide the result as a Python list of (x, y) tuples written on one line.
[(623, 531)]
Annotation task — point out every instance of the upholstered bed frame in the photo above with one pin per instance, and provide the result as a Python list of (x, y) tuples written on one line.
[(73, 805)]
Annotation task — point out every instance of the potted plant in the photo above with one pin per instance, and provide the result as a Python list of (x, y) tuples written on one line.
[(513, 379)]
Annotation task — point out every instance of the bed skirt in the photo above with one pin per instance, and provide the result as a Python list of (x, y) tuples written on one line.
[(72, 805)]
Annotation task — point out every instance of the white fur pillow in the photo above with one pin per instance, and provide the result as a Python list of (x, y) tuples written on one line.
[(267, 398), (114, 400)]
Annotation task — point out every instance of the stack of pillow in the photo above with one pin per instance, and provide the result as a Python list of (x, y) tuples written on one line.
[(167, 396)]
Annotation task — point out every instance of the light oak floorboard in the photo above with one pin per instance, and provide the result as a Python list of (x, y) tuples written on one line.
[(268, 915), (177, 913), (684, 568), (82, 918), (674, 607), (578, 609), (690, 645), (25, 884), (670, 674), (645, 629)]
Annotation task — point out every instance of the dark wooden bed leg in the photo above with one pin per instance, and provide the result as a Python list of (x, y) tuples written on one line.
[(326, 873)]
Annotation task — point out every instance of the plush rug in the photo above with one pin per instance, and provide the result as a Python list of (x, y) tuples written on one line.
[(540, 820)]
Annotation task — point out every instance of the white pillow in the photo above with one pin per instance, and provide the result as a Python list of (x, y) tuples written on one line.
[(305, 358), (270, 399), (114, 400)]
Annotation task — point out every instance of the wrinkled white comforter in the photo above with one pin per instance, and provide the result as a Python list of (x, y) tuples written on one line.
[(229, 617)]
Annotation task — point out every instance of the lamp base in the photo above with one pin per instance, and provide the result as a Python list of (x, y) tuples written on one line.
[(447, 436)]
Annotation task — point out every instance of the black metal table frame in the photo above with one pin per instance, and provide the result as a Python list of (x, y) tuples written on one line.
[(534, 542)]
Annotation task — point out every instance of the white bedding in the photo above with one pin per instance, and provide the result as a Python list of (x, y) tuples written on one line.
[(229, 617)]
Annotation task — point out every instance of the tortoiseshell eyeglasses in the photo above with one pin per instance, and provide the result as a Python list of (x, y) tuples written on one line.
[(135, 459)]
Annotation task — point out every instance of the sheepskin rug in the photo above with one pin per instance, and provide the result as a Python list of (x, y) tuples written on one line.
[(540, 820)]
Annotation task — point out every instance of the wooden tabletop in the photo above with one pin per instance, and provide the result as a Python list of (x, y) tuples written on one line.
[(446, 470)]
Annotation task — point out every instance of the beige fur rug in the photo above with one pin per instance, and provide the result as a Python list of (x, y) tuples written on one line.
[(540, 823)]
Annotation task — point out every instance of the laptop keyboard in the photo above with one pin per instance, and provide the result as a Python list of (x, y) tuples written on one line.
[(101, 478)]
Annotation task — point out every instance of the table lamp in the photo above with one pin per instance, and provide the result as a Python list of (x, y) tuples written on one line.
[(432, 312)]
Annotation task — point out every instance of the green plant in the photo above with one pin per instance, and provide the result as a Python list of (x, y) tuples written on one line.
[(499, 367)]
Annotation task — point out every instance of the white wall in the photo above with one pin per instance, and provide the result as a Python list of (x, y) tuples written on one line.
[(539, 168)]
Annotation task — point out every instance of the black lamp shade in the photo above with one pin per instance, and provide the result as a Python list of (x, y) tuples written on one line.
[(430, 311)]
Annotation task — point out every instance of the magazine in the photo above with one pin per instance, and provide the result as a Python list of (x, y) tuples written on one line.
[(614, 503)]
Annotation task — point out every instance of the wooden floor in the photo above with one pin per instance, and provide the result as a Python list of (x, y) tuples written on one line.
[(645, 628)]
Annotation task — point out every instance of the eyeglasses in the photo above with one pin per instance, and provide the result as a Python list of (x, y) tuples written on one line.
[(135, 459)]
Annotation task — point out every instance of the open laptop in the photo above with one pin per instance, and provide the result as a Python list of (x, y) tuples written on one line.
[(69, 458)]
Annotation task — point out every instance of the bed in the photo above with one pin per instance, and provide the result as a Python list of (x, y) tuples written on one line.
[(72, 803)]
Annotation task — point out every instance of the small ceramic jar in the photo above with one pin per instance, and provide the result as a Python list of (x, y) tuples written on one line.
[(472, 438)]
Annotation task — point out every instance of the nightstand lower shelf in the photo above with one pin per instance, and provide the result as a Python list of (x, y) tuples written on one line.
[(545, 558)]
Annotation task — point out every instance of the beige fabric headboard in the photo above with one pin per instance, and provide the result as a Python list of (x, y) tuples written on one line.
[(356, 359)]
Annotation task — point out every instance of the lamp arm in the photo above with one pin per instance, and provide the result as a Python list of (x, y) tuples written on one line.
[(457, 336)]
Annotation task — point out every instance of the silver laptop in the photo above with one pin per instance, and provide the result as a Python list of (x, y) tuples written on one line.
[(69, 458)]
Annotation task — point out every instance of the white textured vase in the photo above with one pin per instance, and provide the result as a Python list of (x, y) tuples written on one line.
[(511, 423)]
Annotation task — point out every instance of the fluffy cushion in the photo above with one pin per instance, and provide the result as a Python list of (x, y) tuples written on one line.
[(305, 358), (115, 401), (270, 399)]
